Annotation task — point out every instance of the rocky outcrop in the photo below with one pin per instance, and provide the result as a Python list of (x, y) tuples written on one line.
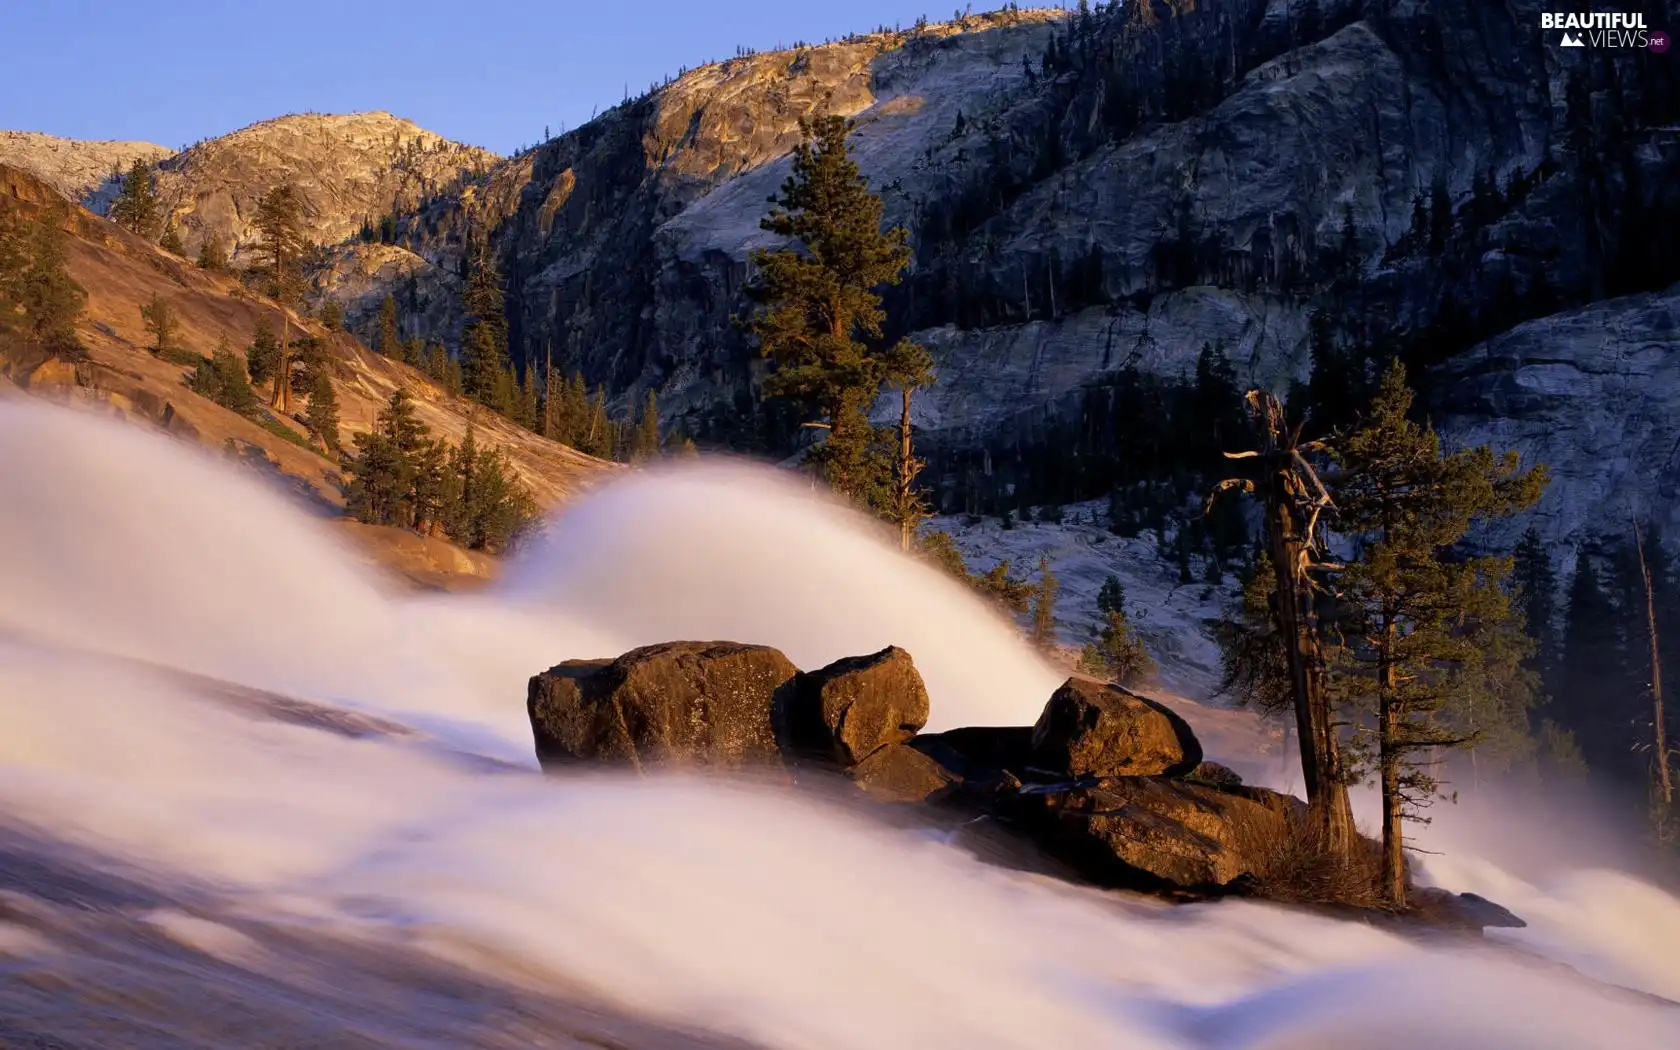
[(680, 703), (1095, 784), (348, 169), (855, 707), (74, 167), (1092, 729), (1159, 832), (897, 773), (1592, 393)]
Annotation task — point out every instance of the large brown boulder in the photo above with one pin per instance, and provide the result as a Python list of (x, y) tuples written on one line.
[(1089, 729), (1160, 833), (683, 703), (854, 707), (897, 773)]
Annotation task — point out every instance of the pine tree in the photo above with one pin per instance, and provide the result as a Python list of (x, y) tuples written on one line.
[(1425, 633), (644, 443), (332, 315), (389, 341), (280, 221), (136, 207), (1254, 667), (484, 355), (1044, 606), (908, 367), (38, 299), (1589, 672), (322, 416), (819, 314), (222, 379), (161, 323), (1536, 599), (212, 256), (1118, 655), (171, 242), (383, 469), (262, 357)]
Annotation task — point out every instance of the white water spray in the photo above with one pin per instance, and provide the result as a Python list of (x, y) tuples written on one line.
[(763, 915)]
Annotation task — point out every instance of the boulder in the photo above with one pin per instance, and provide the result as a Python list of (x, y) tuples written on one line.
[(977, 752), (1090, 729), (1215, 774), (854, 707), (682, 703), (897, 773), (1159, 833)]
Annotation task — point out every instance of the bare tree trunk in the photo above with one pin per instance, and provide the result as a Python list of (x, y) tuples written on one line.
[(1665, 784), (1393, 831), (1393, 805), (1330, 809), (906, 478), (281, 401)]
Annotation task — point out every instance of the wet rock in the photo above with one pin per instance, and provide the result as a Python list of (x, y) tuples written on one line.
[(682, 703), (897, 773), (977, 751), (854, 707), (1089, 729)]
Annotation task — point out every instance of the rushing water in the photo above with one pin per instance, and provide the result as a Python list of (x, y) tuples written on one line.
[(388, 863)]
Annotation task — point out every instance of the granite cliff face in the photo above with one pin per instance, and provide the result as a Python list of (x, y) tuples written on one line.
[(1122, 188), (348, 169), (76, 168)]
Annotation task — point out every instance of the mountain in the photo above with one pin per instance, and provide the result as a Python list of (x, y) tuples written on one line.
[(120, 375), (73, 167), (1122, 187), (349, 169)]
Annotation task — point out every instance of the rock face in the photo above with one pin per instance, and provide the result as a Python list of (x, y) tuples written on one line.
[(1089, 729), (1594, 394), (855, 707), (74, 167), (1163, 832), (897, 773), (347, 169), (680, 703), (1089, 193)]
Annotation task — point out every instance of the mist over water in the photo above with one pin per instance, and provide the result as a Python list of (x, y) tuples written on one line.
[(775, 918)]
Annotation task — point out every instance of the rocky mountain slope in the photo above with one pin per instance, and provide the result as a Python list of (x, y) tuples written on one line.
[(1120, 188), (348, 169), (120, 272), (73, 167)]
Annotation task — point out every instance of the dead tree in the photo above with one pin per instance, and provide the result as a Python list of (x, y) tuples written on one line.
[(1665, 784), (1295, 500)]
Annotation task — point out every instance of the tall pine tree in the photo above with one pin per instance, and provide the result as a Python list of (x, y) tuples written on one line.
[(136, 206), (280, 221)]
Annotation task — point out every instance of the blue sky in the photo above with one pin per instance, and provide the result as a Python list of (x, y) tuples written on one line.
[(489, 73)]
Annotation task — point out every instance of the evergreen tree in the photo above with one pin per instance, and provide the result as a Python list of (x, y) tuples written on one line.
[(484, 355), (322, 416), (171, 242), (212, 256), (1429, 637), (1044, 606), (644, 443), (390, 343), (262, 357), (136, 206), (222, 379), (280, 221), (909, 368), (383, 468), (1536, 597), (332, 315), (39, 301), (1254, 667), (819, 315), (161, 323), (1118, 655)]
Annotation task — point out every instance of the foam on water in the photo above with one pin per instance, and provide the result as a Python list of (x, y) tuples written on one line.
[(773, 917)]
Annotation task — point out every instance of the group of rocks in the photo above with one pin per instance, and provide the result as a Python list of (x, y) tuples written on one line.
[(1109, 783)]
